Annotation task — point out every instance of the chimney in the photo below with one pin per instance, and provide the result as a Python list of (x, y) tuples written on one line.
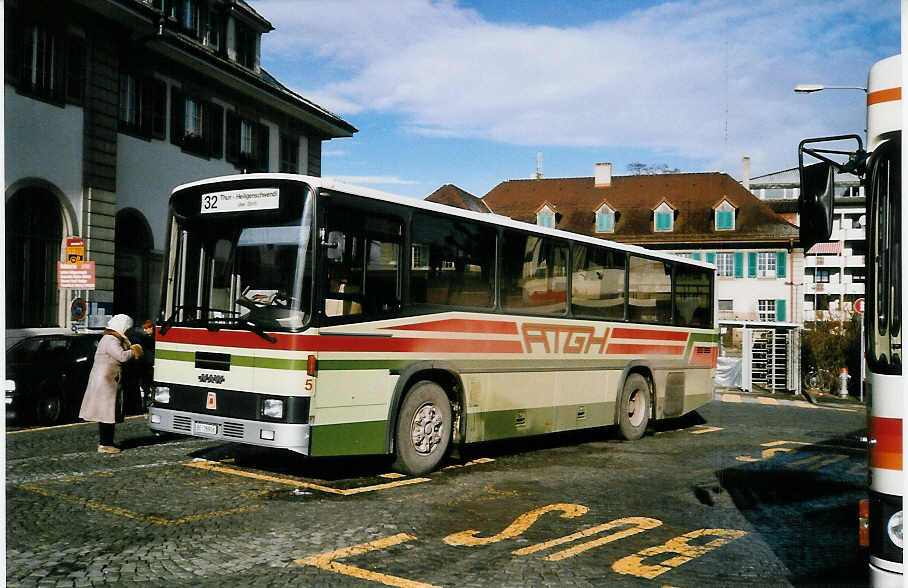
[(745, 172), (603, 176)]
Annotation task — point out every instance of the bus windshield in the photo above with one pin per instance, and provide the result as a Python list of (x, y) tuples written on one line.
[(243, 266)]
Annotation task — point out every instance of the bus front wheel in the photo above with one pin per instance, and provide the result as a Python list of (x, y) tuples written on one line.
[(423, 430), (634, 407)]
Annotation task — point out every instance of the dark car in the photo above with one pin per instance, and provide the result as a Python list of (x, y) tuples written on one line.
[(50, 373)]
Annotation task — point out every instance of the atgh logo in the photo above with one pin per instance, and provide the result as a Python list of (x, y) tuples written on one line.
[(211, 378)]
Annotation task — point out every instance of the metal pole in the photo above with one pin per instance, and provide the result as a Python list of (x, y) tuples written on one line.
[(863, 358)]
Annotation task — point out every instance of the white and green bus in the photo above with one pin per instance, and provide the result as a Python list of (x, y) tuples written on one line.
[(327, 319)]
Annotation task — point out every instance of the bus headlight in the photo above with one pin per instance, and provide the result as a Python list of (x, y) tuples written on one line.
[(273, 408), (894, 528), (162, 394)]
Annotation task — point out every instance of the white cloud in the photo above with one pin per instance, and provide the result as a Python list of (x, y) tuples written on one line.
[(373, 180), (704, 79)]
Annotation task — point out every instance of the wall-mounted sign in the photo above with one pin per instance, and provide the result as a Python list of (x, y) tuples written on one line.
[(77, 309), (859, 306), (75, 250), (78, 276)]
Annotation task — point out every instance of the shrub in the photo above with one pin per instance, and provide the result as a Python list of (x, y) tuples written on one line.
[(827, 347)]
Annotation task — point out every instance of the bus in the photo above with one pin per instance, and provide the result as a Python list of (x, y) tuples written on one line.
[(305, 314), (880, 168)]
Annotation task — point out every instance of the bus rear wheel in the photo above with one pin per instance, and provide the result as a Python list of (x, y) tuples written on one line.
[(634, 407), (423, 430)]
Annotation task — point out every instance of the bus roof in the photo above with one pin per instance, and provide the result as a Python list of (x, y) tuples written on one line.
[(496, 219)]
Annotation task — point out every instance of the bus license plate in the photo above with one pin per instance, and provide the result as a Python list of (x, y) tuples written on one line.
[(206, 428)]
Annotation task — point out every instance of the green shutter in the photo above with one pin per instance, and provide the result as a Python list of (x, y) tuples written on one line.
[(696, 256), (751, 264), (711, 258), (780, 264), (724, 219), (780, 310), (739, 264)]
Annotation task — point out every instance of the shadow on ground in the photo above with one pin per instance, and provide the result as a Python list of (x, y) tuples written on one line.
[(803, 503)]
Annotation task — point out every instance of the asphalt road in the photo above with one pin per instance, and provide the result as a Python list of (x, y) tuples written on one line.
[(739, 493)]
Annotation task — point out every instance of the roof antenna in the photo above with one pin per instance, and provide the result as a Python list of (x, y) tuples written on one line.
[(539, 165)]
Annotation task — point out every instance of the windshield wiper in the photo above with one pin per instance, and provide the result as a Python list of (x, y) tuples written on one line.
[(256, 329), (173, 318)]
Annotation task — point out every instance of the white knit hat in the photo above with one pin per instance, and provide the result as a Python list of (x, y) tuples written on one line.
[(120, 323)]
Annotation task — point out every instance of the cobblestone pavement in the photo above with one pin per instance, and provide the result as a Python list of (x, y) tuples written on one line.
[(740, 493)]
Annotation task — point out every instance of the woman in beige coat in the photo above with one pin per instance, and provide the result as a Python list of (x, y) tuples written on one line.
[(104, 382)]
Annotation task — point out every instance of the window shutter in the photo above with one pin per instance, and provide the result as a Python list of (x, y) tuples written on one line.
[(697, 256), (780, 310), (215, 130), (751, 264), (75, 69), (780, 264), (263, 148), (157, 105), (739, 264), (177, 115), (233, 137), (58, 73), (711, 258)]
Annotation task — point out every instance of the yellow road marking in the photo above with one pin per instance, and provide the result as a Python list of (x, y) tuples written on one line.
[(731, 398), (764, 455), (520, 524), (217, 467), (392, 475), (765, 400), (638, 525), (469, 463), (704, 429), (635, 564), (821, 461), (327, 561), (115, 510), (35, 429)]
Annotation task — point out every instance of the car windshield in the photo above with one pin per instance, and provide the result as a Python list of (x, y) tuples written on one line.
[(245, 267), (24, 350)]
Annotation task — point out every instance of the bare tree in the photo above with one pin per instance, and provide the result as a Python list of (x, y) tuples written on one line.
[(637, 168)]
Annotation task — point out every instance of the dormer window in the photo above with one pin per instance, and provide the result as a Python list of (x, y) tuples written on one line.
[(245, 46), (545, 216), (725, 216), (664, 218), (605, 219)]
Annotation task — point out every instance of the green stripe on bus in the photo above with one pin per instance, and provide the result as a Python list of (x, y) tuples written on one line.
[(348, 439), (519, 422), (699, 338), (175, 355)]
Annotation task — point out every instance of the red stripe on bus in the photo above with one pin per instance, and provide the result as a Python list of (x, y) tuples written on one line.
[(887, 95), (651, 334), (462, 326), (338, 343), (886, 449), (643, 349)]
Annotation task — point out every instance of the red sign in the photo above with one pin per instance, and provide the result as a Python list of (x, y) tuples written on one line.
[(75, 250), (78, 276), (859, 306)]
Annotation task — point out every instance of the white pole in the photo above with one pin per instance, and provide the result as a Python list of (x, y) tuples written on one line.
[(863, 359)]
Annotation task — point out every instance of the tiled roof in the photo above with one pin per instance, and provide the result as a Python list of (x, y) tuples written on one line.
[(453, 196), (635, 197), (826, 248)]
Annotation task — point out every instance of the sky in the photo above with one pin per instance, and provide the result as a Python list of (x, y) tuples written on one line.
[(469, 92)]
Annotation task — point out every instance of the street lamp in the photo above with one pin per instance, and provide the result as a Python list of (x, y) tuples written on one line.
[(808, 88)]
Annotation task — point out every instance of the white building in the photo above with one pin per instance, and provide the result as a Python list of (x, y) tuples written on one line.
[(109, 104), (834, 271)]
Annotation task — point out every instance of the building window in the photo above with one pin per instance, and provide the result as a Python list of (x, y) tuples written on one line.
[(766, 310), (545, 217), (605, 220), (766, 264), (142, 106), (725, 216), (42, 62), (245, 46), (196, 124), (189, 17), (822, 276), (247, 143), (725, 265), (664, 218), (726, 305), (213, 30), (290, 154)]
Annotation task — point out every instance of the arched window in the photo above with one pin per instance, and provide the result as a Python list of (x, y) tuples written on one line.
[(34, 234)]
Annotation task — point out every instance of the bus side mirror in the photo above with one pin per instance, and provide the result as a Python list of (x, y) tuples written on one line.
[(816, 202)]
